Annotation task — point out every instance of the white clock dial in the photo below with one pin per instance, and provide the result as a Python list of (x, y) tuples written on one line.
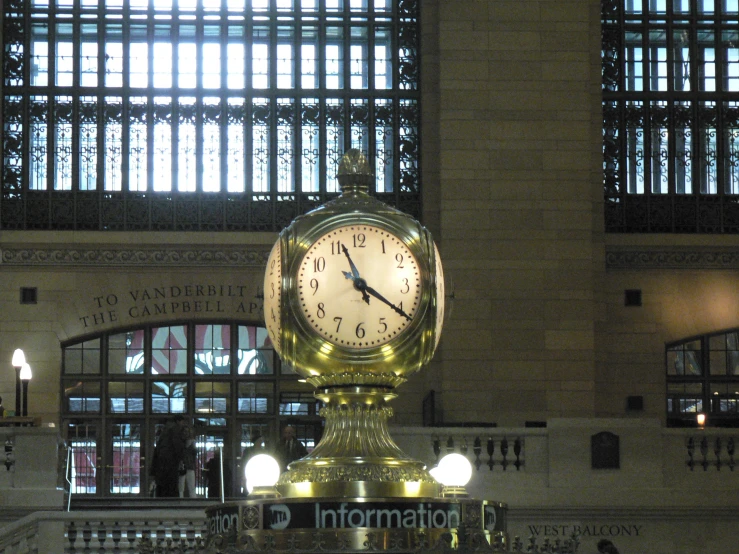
[(272, 294), (359, 286)]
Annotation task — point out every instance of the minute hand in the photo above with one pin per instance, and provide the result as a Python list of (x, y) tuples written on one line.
[(381, 298)]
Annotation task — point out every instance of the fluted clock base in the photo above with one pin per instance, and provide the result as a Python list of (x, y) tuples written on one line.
[(356, 456)]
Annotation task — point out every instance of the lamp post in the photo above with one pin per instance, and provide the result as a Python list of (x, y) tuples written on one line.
[(25, 375), (19, 358)]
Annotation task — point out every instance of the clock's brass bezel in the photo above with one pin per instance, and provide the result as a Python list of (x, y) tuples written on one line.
[(299, 265), (313, 355)]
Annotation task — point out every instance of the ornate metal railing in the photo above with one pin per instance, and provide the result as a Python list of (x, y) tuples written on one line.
[(124, 532), (184, 532), (489, 449), (495, 453), (714, 452)]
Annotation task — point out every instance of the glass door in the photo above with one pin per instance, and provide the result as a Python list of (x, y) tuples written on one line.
[(125, 471), (212, 443), (85, 459)]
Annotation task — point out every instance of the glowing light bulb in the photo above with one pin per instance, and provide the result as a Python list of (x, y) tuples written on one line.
[(454, 470), (261, 470)]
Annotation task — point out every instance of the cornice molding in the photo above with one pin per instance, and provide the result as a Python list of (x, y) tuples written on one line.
[(652, 513), (135, 257), (671, 258)]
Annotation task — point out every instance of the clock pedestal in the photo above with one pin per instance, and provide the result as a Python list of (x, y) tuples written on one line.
[(356, 456)]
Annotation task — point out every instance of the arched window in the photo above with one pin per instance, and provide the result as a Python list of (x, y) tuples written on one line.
[(207, 115), (671, 115), (703, 377), (120, 388)]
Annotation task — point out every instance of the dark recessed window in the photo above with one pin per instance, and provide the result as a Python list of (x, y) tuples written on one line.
[(29, 295), (632, 297)]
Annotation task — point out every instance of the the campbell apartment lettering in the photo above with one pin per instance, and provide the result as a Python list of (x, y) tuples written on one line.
[(593, 530), (174, 300), (176, 308)]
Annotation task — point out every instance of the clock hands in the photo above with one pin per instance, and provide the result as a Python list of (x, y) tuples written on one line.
[(359, 283), (381, 298), (355, 272)]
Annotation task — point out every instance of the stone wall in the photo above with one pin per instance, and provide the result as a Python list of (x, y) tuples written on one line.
[(521, 211)]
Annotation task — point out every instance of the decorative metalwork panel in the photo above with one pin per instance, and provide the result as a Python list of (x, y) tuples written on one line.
[(204, 115), (670, 116)]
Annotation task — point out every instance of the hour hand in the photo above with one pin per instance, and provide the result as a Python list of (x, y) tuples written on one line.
[(355, 272), (381, 298), (359, 283)]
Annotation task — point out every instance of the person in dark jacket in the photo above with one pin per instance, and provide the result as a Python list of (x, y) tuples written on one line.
[(290, 448), (187, 466), (212, 471), (168, 454)]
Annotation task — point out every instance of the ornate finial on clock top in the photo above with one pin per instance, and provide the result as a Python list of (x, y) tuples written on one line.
[(355, 173)]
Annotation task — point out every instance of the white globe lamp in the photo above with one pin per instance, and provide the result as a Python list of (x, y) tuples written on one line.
[(454, 471), (262, 472)]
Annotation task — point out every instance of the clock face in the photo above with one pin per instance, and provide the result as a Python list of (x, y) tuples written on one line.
[(359, 286), (272, 290)]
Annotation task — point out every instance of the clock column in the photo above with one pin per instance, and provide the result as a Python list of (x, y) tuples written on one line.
[(359, 311)]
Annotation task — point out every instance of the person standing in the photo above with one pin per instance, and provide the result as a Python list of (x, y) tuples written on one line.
[(168, 453), (290, 448), (187, 465), (212, 471)]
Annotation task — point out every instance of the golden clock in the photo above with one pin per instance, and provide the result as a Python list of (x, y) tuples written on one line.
[(354, 303)]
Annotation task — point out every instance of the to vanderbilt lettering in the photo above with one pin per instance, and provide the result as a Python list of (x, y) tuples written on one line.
[(156, 293), (419, 516)]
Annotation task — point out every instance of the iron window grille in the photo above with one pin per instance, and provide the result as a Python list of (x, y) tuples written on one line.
[(670, 83), (202, 115)]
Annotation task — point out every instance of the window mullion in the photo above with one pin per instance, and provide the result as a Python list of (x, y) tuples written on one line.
[(75, 97), (298, 96), (248, 107), (223, 95), (272, 97), (346, 94), (150, 112), (322, 96), (201, 37)]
